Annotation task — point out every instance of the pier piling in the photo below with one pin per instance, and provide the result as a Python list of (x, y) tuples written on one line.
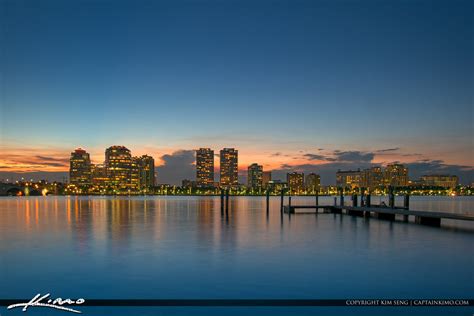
[(282, 200), (222, 201), (391, 197), (354, 200), (268, 201), (341, 201), (406, 201), (227, 201)]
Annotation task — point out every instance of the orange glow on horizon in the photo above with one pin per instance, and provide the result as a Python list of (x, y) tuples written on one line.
[(55, 159)]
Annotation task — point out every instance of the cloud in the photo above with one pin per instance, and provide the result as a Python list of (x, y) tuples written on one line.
[(52, 159), (354, 156), (342, 156), (176, 167), (425, 166), (387, 150), (315, 157), (34, 162)]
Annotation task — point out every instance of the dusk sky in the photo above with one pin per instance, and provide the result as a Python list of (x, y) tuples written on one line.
[(293, 85)]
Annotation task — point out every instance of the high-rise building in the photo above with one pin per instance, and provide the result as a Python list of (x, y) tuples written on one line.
[(229, 167), (205, 167), (254, 176), (135, 174), (312, 183), (146, 169), (99, 175), (295, 181), (439, 180), (348, 179), (80, 168), (396, 175), (372, 178), (118, 165), (266, 178)]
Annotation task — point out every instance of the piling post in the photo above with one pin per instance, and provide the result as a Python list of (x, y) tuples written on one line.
[(362, 197), (367, 200), (227, 201), (282, 199), (406, 201), (354, 200), (222, 201), (317, 201), (391, 197), (341, 201), (289, 206), (268, 201)]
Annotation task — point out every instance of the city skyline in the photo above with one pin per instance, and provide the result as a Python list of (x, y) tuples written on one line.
[(139, 172), (323, 85)]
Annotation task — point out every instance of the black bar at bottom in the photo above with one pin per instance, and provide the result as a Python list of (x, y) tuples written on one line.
[(266, 302)]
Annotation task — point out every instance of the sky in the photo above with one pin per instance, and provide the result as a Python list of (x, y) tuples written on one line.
[(311, 86)]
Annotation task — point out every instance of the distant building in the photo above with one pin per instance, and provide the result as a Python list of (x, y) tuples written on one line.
[(99, 175), (254, 176), (445, 181), (229, 167), (276, 185), (312, 183), (135, 174), (372, 178), (349, 179), (396, 175), (186, 183), (146, 168), (118, 164), (295, 181), (205, 167), (266, 177), (80, 168)]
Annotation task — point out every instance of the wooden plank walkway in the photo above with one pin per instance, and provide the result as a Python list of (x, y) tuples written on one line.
[(421, 217)]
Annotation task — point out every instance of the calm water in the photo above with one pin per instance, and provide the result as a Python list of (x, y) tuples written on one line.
[(181, 247)]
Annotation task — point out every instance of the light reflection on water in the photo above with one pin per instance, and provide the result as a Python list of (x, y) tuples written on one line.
[(183, 247)]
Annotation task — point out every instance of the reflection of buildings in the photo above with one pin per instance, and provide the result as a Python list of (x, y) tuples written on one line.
[(205, 167), (312, 183), (229, 167), (295, 181), (435, 180), (254, 176), (80, 168)]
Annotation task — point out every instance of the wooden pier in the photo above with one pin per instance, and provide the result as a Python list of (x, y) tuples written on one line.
[(381, 212)]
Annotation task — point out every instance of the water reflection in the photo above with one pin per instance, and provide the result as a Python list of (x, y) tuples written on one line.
[(185, 247)]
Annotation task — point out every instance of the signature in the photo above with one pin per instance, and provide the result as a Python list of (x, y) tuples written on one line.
[(45, 301)]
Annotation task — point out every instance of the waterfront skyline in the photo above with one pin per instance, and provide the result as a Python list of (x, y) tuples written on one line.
[(123, 171), (318, 85)]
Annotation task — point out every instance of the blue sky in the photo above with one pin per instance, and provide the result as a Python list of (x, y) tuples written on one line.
[(263, 76)]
